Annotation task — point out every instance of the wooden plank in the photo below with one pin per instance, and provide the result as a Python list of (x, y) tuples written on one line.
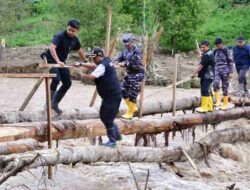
[(34, 89), (31, 94), (27, 75), (108, 30), (174, 84), (49, 120), (145, 48)]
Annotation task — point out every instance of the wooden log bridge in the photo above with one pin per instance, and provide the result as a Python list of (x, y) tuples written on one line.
[(67, 129), (149, 108), (15, 163)]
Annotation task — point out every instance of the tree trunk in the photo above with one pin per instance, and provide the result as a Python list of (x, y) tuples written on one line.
[(149, 108), (66, 129), (19, 146), (237, 101), (87, 154)]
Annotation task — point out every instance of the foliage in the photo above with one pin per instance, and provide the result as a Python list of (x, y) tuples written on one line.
[(34, 22)]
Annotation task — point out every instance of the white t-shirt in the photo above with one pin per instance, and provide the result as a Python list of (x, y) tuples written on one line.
[(100, 70)]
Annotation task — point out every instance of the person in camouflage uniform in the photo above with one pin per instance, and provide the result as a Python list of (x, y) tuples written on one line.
[(131, 56), (223, 73)]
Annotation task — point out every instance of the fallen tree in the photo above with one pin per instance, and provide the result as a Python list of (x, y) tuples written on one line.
[(240, 101), (19, 146), (13, 164), (66, 129), (149, 108)]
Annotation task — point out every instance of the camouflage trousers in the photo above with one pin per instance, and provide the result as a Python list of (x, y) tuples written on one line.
[(131, 86), (222, 75)]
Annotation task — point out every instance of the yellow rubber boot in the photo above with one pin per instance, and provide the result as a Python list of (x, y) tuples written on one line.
[(218, 99), (129, 113), (225, 103), (210, 104), (126, 101), (204, 104), (134, 107)]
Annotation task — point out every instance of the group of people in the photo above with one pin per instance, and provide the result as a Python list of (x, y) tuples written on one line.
[(216, 67), (103, 74)]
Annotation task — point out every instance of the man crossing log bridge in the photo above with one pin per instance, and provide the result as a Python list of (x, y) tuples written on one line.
[(62, 44), (131, 85), (241, 55), (205, 72), (109, 89), (223, 73)]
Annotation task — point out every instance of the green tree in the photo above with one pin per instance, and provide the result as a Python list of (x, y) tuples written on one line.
[(181, 20), (92, 14)]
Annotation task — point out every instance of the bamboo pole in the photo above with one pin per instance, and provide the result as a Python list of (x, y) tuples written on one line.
[(107, 41), (49, 121), (174, 84), (145, 47), (27, 75), (198, 47)]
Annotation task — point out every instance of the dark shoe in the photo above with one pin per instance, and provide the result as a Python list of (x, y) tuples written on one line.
[(117, 133), (56, 109), (111, 133), (109, 144)]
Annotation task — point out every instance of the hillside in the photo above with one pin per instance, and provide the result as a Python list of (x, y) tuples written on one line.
[(43, 18)]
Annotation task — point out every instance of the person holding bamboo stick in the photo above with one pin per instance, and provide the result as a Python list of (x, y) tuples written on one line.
[(206, 73), (108, 87), (131, 56), (62, 43)]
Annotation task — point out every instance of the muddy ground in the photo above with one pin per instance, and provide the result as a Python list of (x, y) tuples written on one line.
[(26, 60)]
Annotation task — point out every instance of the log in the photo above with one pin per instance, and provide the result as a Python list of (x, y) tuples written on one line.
[(149, 108), (19, 146), (240, 101), (67, 129), (12, 164)]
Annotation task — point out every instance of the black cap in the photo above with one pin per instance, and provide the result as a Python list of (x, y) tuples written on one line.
[(96, 52), (74, 23), (205, 43), (218, 41), (240, 38)]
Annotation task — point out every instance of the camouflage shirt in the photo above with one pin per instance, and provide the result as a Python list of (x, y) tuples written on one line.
[(223, 59), (132, 59)]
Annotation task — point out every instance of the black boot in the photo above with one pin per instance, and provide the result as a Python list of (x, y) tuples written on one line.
[(117, 133), (112, 138), (56, 100)]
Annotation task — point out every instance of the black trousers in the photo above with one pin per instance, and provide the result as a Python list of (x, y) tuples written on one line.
[(205, 86), (108, 112), (63, 75)]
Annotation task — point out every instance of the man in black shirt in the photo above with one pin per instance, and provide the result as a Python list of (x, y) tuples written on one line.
[(108, 87), (62, 44), (205, 72)]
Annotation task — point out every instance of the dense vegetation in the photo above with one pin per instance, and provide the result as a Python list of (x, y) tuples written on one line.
[(33, 22)]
